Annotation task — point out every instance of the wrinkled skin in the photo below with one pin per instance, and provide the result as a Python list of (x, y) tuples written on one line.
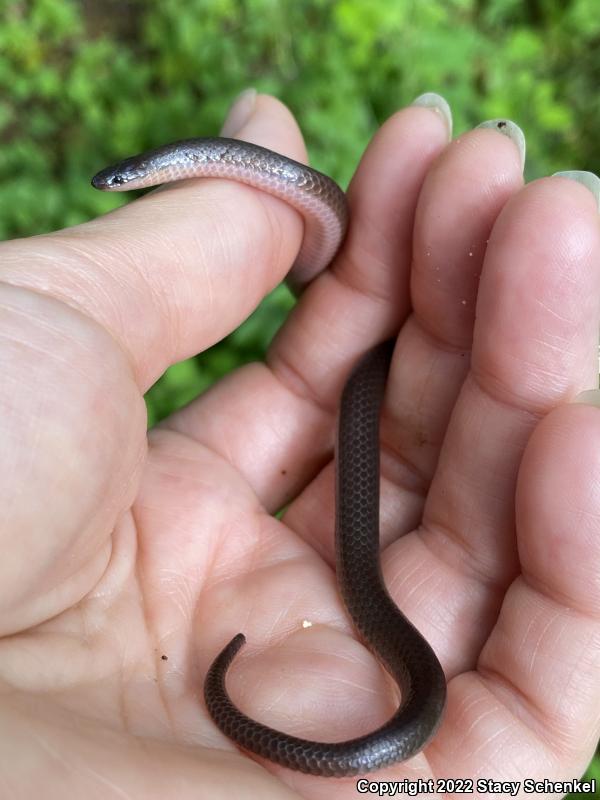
[(129, 561)]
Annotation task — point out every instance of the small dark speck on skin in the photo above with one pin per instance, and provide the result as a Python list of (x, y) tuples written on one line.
[(284, 471), (165, 658), (502, 124)]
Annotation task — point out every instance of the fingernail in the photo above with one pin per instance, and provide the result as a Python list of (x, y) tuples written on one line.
[(591, 397), (240, 112), (510, 129), (437, 103), (589, 179)]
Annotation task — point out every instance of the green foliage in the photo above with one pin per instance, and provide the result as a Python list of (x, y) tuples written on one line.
[(82, 84)]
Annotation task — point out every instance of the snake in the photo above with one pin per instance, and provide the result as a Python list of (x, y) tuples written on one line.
[(384, 629)]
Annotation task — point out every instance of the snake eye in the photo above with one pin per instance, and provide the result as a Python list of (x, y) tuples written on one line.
[(118, 180)]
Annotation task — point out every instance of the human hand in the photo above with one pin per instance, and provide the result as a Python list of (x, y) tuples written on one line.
[(117, 555)]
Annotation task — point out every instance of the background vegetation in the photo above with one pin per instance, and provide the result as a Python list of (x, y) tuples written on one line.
[(83, 82)]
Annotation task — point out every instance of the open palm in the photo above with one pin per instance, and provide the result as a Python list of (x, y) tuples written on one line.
[(129, 562)]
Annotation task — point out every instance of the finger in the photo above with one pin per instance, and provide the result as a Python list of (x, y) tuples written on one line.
[(175, 271), (281, 421), (429, 362), (365, 296), (534, 346), (538, 672), (463, 193)]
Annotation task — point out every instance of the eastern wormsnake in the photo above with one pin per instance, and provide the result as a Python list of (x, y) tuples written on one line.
[(388, 634)]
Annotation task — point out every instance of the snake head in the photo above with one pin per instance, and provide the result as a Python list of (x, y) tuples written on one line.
[(127, 174)]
